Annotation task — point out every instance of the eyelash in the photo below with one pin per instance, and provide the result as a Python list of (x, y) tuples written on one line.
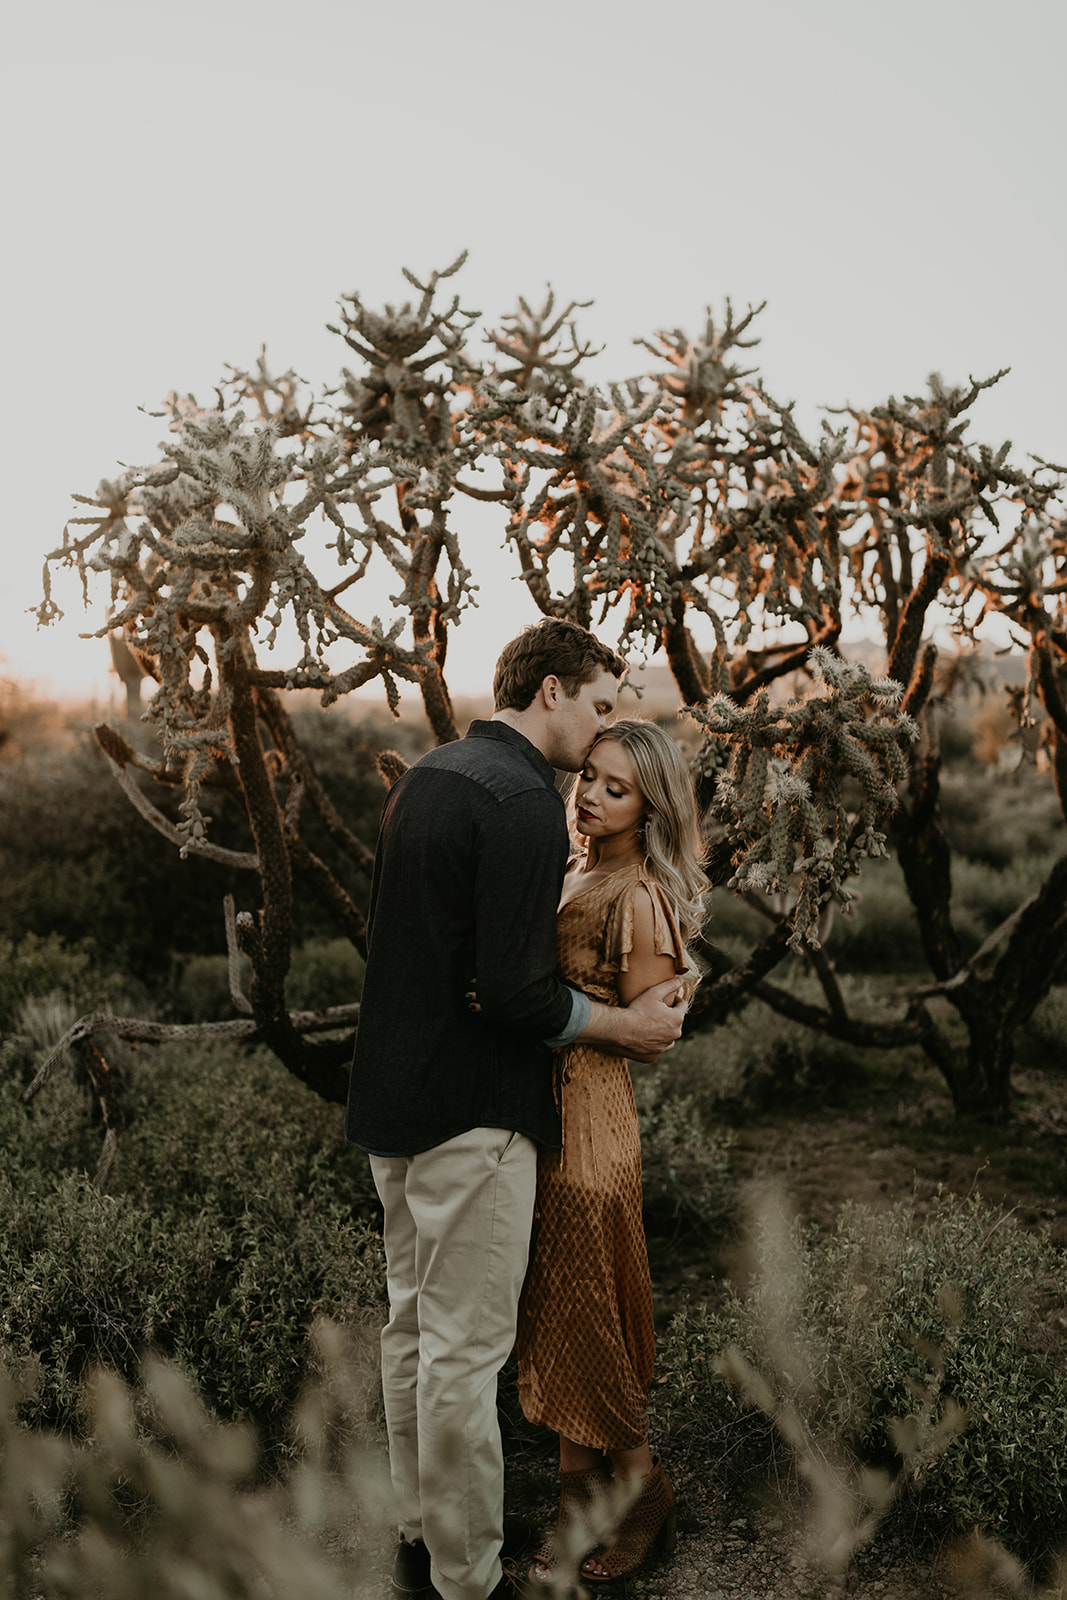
[(616, 794)]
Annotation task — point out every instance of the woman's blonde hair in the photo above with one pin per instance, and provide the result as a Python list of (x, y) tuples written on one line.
[(670, 832)]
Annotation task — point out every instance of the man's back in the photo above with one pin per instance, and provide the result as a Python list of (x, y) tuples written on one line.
[(470, 857)]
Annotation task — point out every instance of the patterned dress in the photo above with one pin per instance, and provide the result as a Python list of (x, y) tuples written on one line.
[(585, 1335)]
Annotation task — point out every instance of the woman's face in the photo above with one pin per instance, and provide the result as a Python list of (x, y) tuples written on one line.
[(608, 802)]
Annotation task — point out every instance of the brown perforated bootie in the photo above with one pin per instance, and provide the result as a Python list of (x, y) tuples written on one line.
[(651, 1521), (577, 1493)]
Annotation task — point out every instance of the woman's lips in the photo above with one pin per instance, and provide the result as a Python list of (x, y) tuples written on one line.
[(586, 816)]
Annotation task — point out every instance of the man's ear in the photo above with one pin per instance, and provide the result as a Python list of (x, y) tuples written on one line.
[(551, 690)]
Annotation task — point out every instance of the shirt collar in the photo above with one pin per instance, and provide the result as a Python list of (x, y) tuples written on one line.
[(509, 735)]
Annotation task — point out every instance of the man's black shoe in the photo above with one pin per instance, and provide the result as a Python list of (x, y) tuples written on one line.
[(411, 1570), (518, 1537), (411, 1567)]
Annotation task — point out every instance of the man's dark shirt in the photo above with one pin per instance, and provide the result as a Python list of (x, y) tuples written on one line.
[(467, 875)]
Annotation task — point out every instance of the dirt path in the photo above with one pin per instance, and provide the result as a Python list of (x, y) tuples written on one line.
[(761, 1555)]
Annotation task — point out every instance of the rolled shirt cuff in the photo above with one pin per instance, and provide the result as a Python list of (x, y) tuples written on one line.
[(581, 1007)]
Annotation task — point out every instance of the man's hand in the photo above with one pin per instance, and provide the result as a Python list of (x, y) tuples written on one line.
[(645, 1028), (654, 1020)]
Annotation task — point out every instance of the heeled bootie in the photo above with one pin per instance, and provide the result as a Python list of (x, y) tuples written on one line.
[(651, 1521), (578, 1491)]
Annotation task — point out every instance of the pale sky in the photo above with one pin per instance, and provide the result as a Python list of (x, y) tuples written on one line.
[(186, 182)]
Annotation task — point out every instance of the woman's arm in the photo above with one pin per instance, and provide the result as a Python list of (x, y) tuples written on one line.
[(648, 1018)]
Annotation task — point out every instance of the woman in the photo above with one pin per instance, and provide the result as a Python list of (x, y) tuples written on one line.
[(585, 1337)]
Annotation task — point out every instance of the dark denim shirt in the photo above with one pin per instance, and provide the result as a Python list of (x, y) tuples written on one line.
[(467, 876)]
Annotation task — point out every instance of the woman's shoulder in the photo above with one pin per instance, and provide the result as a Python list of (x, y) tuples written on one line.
[(647, 879), (640, 911)]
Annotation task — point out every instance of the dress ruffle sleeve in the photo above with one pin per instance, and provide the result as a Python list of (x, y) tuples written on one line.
[(619, 928)]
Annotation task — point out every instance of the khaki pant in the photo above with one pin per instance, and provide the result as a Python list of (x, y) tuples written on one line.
[(457, 1237)]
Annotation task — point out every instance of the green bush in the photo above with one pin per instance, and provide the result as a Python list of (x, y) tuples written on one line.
[(41, 1144), (323, 972), (200, 988), (920, 1345), (733, 922), (757, 1058), (34, 966), (1043, 1039), (997, 821), (685, 1166), (235, 1215), (982, 899), (880, 933), (1004, 837), (971, 821), (78, 862)]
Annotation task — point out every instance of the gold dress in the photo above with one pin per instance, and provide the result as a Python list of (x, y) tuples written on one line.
[(585, 1335)]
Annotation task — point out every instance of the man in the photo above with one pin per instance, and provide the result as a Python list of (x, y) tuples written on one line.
[(452, 1099)]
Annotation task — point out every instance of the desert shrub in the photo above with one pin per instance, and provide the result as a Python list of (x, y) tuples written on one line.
[(785, 1065), (35, 966), (757, 1058), (199, 989), (976, 829), (709, 1065), (733, 923), (982, 899), (342, 751), (1004, 836), (26, 722), (219, 1124), (94, 1279), (880, 933), (996, 820), (77, 862), (41, 1143), (235, 1214), (323, 972), (159, 1498), (955, 734), (916, 1344), (685, 1166), (1043, 1040)]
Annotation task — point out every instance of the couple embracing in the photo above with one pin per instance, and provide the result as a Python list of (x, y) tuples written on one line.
[(507, 983)]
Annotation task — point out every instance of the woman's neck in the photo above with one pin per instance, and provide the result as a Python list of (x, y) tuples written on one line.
[(610, 855)]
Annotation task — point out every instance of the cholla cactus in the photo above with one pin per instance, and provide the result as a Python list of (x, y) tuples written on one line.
[(781, 795), (681, 499), (205, 561), (945, 529)]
